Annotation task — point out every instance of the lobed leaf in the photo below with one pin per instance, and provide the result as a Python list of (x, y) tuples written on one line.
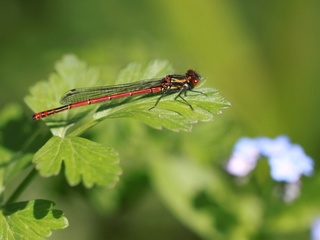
[(83, 159), (30, 220), (172, 114), (70, 73)]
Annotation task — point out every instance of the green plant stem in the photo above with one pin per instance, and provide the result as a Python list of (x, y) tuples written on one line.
[(16, 194), (82, 128)]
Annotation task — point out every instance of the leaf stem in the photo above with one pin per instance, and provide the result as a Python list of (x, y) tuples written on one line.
[(16, 194), (82, 128)]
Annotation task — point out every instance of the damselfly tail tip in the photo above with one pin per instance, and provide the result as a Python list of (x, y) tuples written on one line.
[(38, 116), (35, 117)]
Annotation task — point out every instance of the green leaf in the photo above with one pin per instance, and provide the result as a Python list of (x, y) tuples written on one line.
[(83, 159), (30, 220), (70, 73), (170, 113), (11, 165), (18, 162), (136, 71)]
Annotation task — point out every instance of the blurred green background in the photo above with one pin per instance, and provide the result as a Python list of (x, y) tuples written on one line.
[(263, 56)]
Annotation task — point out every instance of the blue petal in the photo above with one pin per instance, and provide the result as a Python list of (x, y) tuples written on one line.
[(240, 165), (290, 165), (244, 157), (247, 147), (272, 147)]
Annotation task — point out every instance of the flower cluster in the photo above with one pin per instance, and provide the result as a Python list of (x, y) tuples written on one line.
[(287, 161)]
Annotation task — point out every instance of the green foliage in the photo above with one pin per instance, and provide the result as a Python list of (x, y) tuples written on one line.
[(262, 55), (202, 199), (14, 164), (93, 162), (174, 115), (83, 160), (70, 73), (171, 114), (30, 220)]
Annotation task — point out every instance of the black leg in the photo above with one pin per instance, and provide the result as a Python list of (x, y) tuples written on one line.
[(198, 92), (158, 100), (184, 89)]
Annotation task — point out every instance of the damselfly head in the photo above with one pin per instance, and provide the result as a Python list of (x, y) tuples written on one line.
[(193, 77)]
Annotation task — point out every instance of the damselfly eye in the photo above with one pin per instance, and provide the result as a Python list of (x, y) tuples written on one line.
[(195, 81)]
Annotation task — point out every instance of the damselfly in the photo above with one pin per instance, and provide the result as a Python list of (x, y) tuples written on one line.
[(174, 83)]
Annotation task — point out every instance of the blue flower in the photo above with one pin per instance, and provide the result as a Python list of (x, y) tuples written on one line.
[(244, 157), (240, 165), (273, 147), (287, 161), (247, 147), (288, 166)]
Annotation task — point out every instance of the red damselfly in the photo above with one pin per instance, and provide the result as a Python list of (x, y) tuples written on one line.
[(85, 96)]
